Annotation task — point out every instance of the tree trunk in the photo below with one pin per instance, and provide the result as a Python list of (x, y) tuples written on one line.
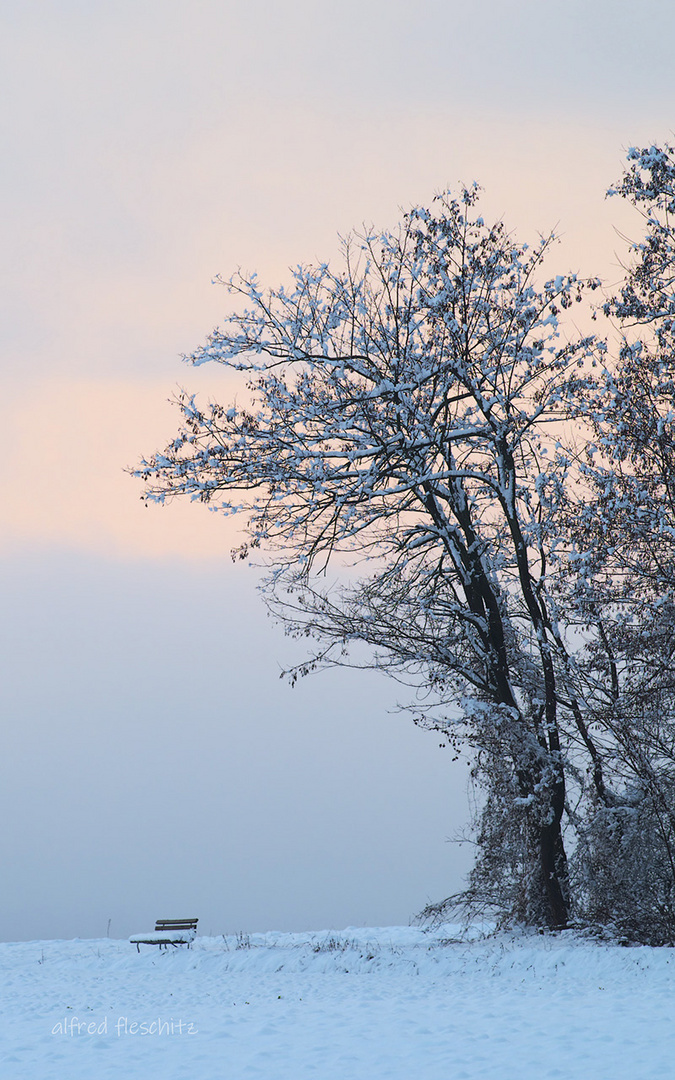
[(549, 894), (554, 876)]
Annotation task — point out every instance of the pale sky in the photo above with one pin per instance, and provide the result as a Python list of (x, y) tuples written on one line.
[(154, 764)]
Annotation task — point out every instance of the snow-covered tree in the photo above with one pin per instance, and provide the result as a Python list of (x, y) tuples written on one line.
[(404, 412), (633, 407), (624, 592)]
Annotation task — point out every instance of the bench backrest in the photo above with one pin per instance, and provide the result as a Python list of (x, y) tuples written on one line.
[(176, 924)]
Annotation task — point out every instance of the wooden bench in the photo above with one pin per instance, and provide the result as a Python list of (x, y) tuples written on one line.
[(168, 932)]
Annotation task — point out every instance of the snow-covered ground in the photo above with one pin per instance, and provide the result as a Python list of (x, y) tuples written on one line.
[(363, 1004)]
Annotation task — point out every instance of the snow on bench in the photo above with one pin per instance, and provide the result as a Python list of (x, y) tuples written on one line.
[(167, 932)]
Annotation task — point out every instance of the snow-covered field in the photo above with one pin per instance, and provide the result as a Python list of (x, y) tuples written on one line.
[(363, 1004)]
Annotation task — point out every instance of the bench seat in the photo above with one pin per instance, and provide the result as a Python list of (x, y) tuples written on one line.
[(167, 932)]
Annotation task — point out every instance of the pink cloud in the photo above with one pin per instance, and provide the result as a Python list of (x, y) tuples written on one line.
[(64, 482)]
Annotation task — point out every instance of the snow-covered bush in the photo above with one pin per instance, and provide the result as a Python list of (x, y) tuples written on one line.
[(622, 869)]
